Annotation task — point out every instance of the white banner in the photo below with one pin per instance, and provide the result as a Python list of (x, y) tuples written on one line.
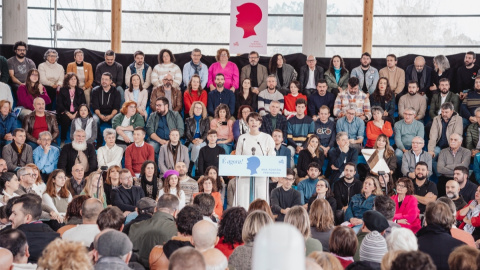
[(264, 166), (248, 26)]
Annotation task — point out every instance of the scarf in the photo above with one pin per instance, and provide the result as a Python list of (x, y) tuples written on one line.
[(196, 68), (423, 79), (174, 150), (472, 213), (145, 183), (85, 124), (197, 126), (18, 152), (243, 127), (72, 97), (337, 74)]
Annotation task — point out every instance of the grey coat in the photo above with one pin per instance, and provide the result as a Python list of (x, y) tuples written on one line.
[(165, 158), (11, 158), (408, 162)]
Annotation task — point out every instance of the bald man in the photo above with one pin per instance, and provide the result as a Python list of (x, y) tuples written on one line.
[(204, 235), (86, 231), (310, 74), (6, 259), (215, 259), (187, 258), (452, 189), (421, 73)]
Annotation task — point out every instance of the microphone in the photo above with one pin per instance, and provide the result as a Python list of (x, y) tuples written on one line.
[(253, 151), (261, 148), (103, 168), (243, 144)]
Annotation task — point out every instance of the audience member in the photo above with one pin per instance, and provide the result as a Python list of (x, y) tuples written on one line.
[(291, 99), (208, 185), (411, 157), (353, 126), (442, 97), (339, 156), (245, 96), (326, 260), (15, 241), (384, 97), (125, 122), (139, 152), (362, 202), (225, 67), (73, 217), (412, 260), (219, 96), (319, 99), (29, 91), (84, 72), (126, 196), (412, 100), (113, 250), (195, 67), (145, 209), (471, 143), (378, 126), (171, 186), (469, 215), (463, 258), (467, 188), (449, 158), (172, 152), (283, 198), (212, 171), (110, 154), (144, 72), (19, 65), (115, 70), (386, 206), (187, 258), (94, 188), (405, 130), (8, 122), (337, 75), (197, 127), (86, 232), (425, 190), (300, 127), (187, 184), (352, 95), (283, 72), (37, 121), (267, 96), (274, 119), (322, 220), (452, 190), (46, 156), (111, 218), (281, 149), (395, 76), (457, 233), (343, 243), (311, 153), (204, 236), (421, 73), (166, 65), (78, 151), (240, 126), (173, 94), (209, 154), (307, 187), (407, 213), (57, 195), (8, 185), (149, 180), (61, 254), (298, 217), (440, 71), (255, 73), (470, 102), (84, 120), (224, 127), (466, 74), (260, 204), (310, 74), (385, 152), (112, 181), (194, 93), (366, 74), (77, 182), (230, 230)]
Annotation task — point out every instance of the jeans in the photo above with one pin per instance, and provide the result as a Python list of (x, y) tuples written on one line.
[(227, 147), (99, 131), (399, 155), (436, 150)]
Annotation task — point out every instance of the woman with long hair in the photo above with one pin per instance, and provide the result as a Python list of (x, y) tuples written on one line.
[(240, 125), (224, 127), (208, 185), (137, 94), (323, 191), (298, 217), (39, 186), (377, 126), (230, 230), (171, 186), (57, 195), (166, 64), (322, 221), (8, 185), (284, 73), (227, 68), (384, 97), (407, 213), (386, 152), (470, 216), (112, 181), (94, 187), (27, 92), (212, 171), (196, 131), (259, 204), (125, 122), (149, 180), (387, 184), (84, 120), (337, 75), (311, 154), (245, 96), (441, 70), (290, 108), (343, 244), (194, 93)]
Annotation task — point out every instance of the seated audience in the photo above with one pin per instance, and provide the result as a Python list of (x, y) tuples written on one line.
[(291, 99), (412, 260), (206, 206), (69, 98), (241, 258), (161, 122), (385, 152), (394, 74), (208, 185), (60, 254), (353, 126), (110, 154), (194, 93), (452, 190), (339, 156), (274, 120), (440, 71), (421, 73), (299, 128), (298, 217), (84, 73), (471, 143), (307, 187), (467, 188), (126, 195), (8, 185), (425, 190), (57, 195), (255, 73), (405, 130), (443, 96), (144, 72), (325, 260), (166, 65), (310, 74), (138, 152), (194, 259), (414, 100), (457, 233), (219, 96), (411, 157), (197, 127), (464, 258), (94, 188), (46, 156), (323, 191), (283, 198), (116, 71), (149, 180), (240, 126), (325, 129), (283, 72), (384, 97), (281, 149), (187, 184), (195, 67), (84, 120), (267, 96), (18, 65), (362, 202), (15, 241), (439, 221), (470, 216), (227, 68), (245, 95), (321, 220), (342, 244), (466, 73), (319, 99), (39, 185), (172, 152), (378, 126), (77, 182), (111, 182), (145, 209), (366, 74), (224, 127), (212, 171), (171, 186), (352, 95), (51, 75), (126, 122), (449, 158), (470, 102), (311, 153), (86, 232), (407, 213), (113, 249), (8, 122), (78, 151), (230, 230), (37, 121), (18, 153), (373, 221), (209, 155), (111, 218), (386, 206), (337, 75), (173, 94)]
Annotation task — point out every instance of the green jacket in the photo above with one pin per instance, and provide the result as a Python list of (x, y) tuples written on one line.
[(436, 103), (332, 81), (147, 234), (471, 140), (136, 120), (174, 121)]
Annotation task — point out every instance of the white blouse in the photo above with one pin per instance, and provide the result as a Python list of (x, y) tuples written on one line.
[(173, 191)]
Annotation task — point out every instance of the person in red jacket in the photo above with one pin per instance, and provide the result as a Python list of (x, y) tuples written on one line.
[(470, 216), (377, 126), (138, 152), (193, 93)]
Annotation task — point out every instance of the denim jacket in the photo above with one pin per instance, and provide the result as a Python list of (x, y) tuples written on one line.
[(359, 205)]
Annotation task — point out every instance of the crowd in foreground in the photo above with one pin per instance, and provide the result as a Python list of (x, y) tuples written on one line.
[(131, 174)]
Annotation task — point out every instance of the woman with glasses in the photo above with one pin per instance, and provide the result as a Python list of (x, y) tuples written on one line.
[(323, 191), (125, 122), (407, 213), (51, 75), (39, 186), (227, 68)]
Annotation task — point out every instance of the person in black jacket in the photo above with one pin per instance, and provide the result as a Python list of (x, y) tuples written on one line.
[(339, 156), (196, 129), (308, 155), (69, 99), (127, 195), (26, 217), (344, 189), (78, 152), (309, 85), (323, 191)]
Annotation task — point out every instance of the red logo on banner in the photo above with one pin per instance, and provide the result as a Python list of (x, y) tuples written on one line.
[(249, 15)]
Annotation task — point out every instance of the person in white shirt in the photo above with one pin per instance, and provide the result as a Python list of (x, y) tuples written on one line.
[(57, 195), (170, 186), (86, 231), (110, 154)]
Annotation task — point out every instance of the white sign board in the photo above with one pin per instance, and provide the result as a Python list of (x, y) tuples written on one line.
[(262, 166), (248, 26)]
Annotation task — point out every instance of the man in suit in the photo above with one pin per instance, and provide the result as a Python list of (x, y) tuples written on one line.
[(127, 195), (255, 72), (310, 74)]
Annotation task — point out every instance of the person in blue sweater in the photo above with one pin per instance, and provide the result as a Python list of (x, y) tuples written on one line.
[(8, 122), (308, 186), (46, 156), (220, 95), (299, 128)]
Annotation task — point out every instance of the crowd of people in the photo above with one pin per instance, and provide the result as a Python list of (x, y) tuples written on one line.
[(117, 168)]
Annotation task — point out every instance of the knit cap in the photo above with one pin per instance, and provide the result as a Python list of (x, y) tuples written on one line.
[(373, 247), (113, 244)]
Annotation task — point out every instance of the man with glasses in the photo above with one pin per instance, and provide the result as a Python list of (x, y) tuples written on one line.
[(285, 197), (127, 195), (173, 94), (404, 131), (256, 72), (353, 126), (77, 182), (195, 67), (449, 158), (45, 156), (420, 73), (412, 157), (78, 152), (19, 65), (220, 96), (310, 74), (413, 99)]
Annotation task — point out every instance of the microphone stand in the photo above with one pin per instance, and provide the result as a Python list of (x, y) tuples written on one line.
[(103, 168)]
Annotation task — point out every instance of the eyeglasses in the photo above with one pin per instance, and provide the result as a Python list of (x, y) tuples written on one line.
[(400, 186), (78, 170), (417, 142), (167, 80), (28, 174), (289, 179), (21, 50), (132, 107)]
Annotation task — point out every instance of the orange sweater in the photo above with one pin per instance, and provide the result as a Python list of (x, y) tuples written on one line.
[(87, 69), (373, 132), (135, 156), (218, 203)]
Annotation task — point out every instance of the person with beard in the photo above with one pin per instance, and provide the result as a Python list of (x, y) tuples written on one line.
[(471, 102), (3, 166), (38, 121), (352, 95), (420, 73), (19, 65), (141, 68), (268, 95), (78, 152), (173, 94), (219, 96), (412, 100), (466, 74), (366, 74), (346, 187), (472, 143), (445, 95), (394, 74), (449, 158), (196, 67), (18, 153), (126, 196), (467, 188), (161, 122), (425, 190), (256, 72), (187, 184), (452, 189), (77, 182), (138, 152), (115, 70)]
